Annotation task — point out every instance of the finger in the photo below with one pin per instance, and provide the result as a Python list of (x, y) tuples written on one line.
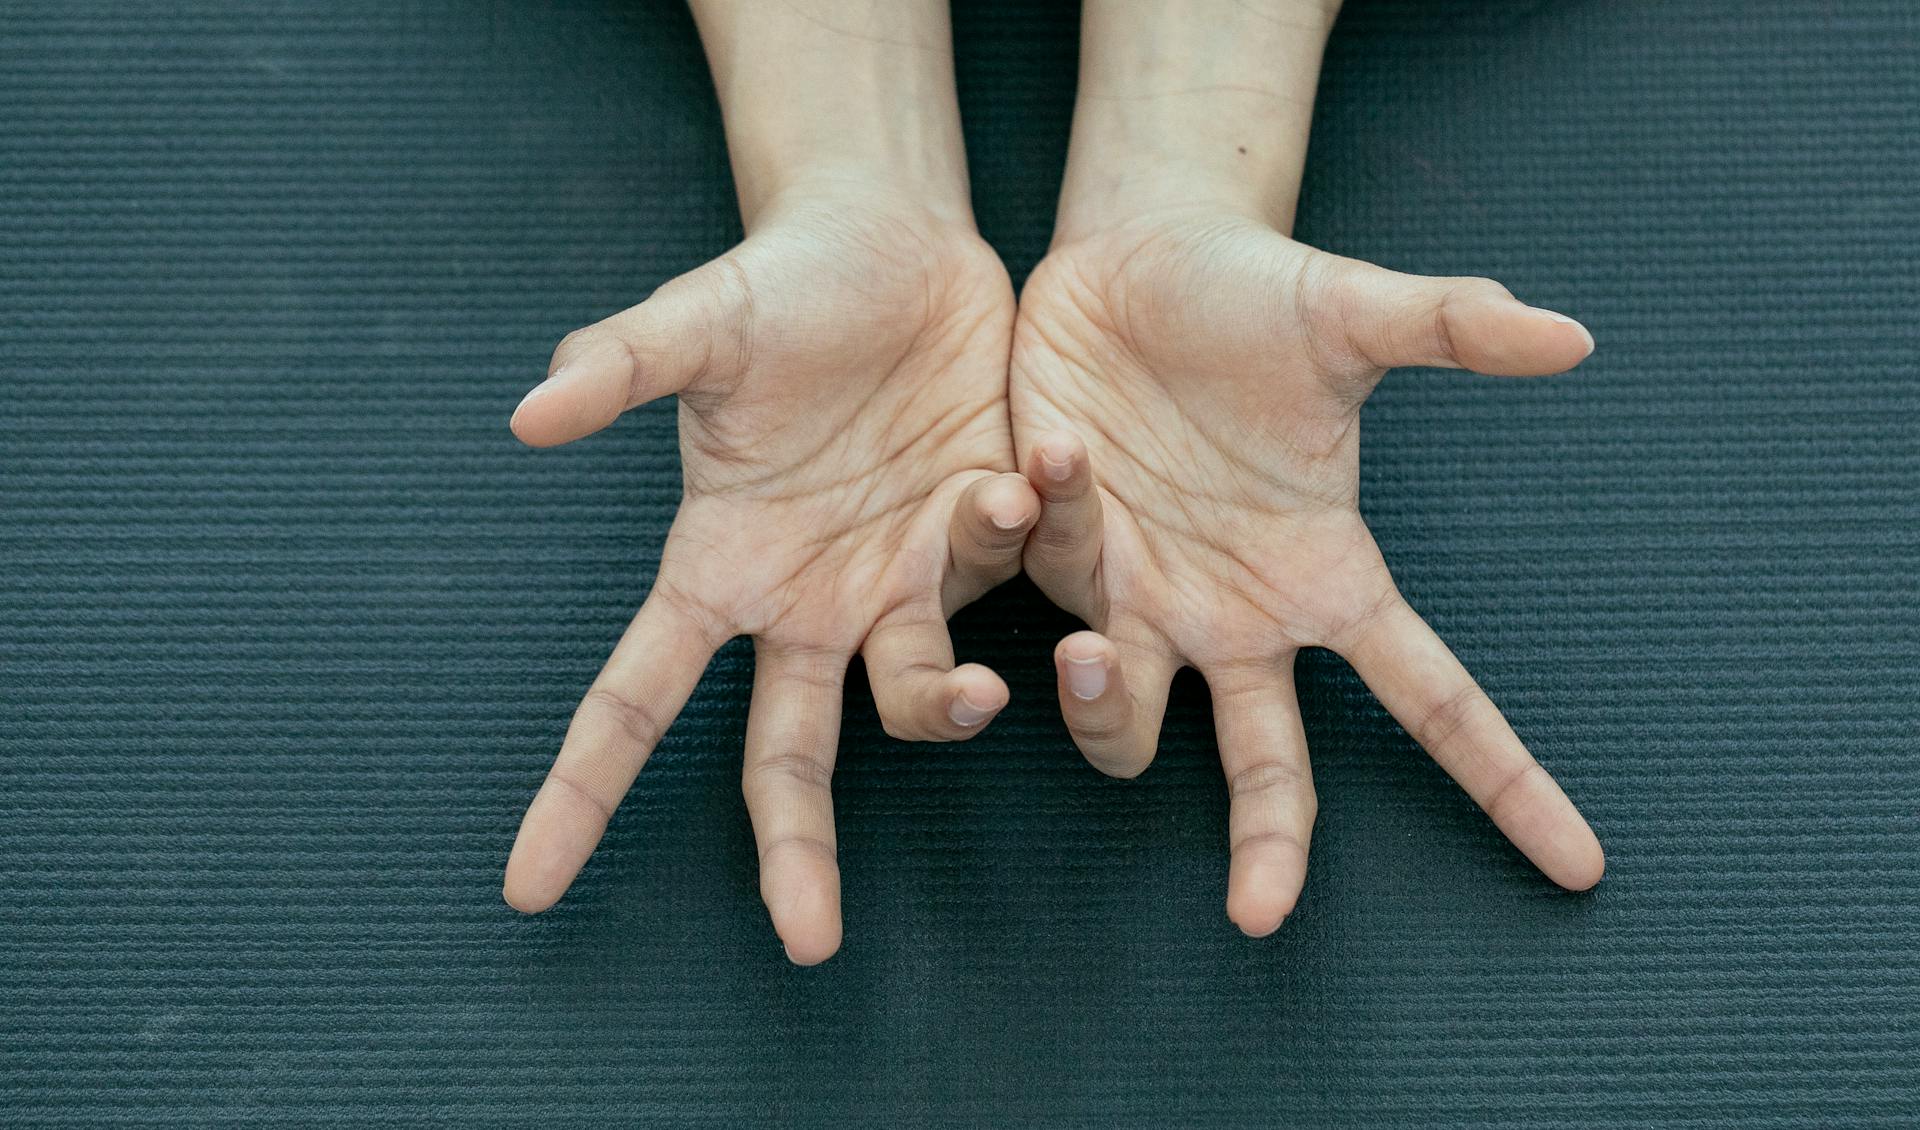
[(1064, 548), (1113, 700), (693, 329), (920, 695), (1271, 803), (1390, 319), (793, 730), (986, 536), (1431, 695), (637, 695)]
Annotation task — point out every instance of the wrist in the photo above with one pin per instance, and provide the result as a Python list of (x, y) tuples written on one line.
[(1182, 109), (820, 98), (1154, 185), (828, 199)]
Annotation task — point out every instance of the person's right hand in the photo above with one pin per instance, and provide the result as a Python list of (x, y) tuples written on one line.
[(849, 483)]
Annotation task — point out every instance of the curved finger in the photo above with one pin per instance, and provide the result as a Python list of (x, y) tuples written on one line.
[(637, 695), (693, 329), (1425, 688), (920, 695), (1064, 549), (1113, 700), (1270, 797), (986, 535), (1391, 319), (793, 732)]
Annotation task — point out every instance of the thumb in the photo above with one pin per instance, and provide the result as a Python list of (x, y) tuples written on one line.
[(693, 330), (1389, 319)]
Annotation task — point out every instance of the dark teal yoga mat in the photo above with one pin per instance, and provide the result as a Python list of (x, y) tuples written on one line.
[(290, 627)]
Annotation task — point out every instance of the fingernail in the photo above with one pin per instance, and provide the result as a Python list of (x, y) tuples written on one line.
[(1556, 316), (1002, 522), (965, 713), (537, 392), (1057, 464), (1087, 678)]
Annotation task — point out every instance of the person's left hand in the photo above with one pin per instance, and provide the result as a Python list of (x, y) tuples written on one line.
[(1186, 392)]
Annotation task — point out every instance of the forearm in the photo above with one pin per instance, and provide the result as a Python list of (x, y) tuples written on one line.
[(1199, 102), (825, 95)]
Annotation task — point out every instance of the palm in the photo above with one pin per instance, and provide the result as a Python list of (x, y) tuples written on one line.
[(820, 470), (1214, 371), (848, 483)]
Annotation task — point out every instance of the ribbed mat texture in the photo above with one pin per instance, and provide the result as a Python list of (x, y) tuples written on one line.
[(290, 626)]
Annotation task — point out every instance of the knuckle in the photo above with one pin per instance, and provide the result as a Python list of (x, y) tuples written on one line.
[(636, 720), (566, 780), (1272, 838), (1264, 777), (800, 767), (1441, 721), (582, 340), (731, 328), (1503, 795), (1105, 733), (1057, 537), (1350, 629), (902, 728), (1479, 288), (806, 843)]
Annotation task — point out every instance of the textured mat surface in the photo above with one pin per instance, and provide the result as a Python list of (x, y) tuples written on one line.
[(290, 627)]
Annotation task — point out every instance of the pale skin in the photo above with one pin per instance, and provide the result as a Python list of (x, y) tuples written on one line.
[(845, 447), (1166, 438), (1186, 386)]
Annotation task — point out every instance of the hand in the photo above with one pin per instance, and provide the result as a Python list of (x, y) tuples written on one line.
[(1215, 370), (848, 484)]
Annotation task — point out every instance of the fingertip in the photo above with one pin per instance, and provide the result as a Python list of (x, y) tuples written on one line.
[(1058, 460), (556, 837), (586, 389), (975, 695), (1260, 896), (1498, 335), (523, 898), (1085, 662), (1082, 645), (1256, 924), (1584, 866), (812, 949), (802, 891), (536, 877), (1573, 334), (1008, 503), (530, 422)]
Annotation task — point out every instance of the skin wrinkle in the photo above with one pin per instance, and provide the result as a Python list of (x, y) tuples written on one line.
[(880, 370), (802, 767), (634, 717), (866, 37), (1210, 88), (819, 847), (1187, 483), (1496, 801), (1193, 356), (1445, 718), (560, 777)]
